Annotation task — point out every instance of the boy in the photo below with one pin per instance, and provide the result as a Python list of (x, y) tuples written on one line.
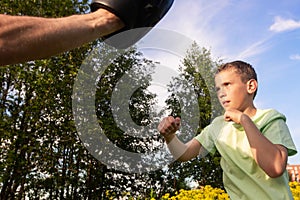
[(254, 144)]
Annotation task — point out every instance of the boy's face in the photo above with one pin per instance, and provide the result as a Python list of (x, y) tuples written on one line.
[(232, 92)]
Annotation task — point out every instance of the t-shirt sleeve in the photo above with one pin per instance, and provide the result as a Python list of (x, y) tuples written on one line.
[(207, 138), (278, 132)]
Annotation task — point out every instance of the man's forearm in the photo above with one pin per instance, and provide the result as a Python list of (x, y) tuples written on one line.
[(25, 38)]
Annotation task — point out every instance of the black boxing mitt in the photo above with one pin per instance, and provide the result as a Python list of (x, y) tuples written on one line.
[(152, 11), (135, 14)]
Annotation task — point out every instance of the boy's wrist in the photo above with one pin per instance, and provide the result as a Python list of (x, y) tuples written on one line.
[(244, 119), (169, 137)]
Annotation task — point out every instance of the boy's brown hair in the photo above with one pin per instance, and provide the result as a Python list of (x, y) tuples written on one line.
[(245, 70)]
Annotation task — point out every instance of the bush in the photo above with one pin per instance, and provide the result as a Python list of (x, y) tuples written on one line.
[(295, 188), (207, 193), (210, 193)]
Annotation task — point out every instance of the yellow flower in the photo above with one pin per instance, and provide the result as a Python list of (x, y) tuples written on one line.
[(207, 193), (166, 196), (204, 193), (295, 189)]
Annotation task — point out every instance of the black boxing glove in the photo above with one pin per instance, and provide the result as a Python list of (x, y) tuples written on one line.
[(134, 14), (152, 11)]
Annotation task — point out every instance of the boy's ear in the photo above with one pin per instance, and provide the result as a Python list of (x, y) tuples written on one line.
[(252, 86)]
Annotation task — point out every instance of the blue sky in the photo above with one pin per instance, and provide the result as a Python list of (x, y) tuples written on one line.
[(263, 33)]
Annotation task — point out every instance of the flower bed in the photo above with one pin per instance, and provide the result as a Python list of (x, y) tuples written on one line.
[(206, 193), (295, 188), (210, 193)]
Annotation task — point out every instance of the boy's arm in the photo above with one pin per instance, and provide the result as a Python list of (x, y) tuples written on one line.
[(272, 158), (180, 151), (25, 38)]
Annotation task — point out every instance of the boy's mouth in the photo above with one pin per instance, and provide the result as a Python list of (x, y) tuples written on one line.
[(225, 103)]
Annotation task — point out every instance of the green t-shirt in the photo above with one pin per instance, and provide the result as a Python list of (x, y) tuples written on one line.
[(243, 178)]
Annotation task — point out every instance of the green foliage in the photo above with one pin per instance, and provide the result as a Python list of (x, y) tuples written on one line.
[(44, 8), (203, 192), (197, 67), (140, 102), (41, 155)]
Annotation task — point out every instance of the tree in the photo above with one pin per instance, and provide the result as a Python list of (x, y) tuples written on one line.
[(41, 153), (198, 69), (119, 128)]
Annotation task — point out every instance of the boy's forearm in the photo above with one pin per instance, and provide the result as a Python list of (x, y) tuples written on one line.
[(25, 38), (175, 146), (270, 157), (183, 151)]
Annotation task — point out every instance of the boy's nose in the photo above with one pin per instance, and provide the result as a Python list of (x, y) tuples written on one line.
[(221, 94)]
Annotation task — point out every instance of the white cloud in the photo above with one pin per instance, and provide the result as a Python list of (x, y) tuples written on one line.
[(196, 20), (212, 27), (295, 57), (256, 48), (280, 24)]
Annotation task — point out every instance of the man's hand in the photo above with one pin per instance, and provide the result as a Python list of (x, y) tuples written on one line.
[(134, 14), (168, 126)]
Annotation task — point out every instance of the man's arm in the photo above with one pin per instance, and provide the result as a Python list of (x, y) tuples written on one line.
[(179, 150), (25, 38), (272, 158)]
